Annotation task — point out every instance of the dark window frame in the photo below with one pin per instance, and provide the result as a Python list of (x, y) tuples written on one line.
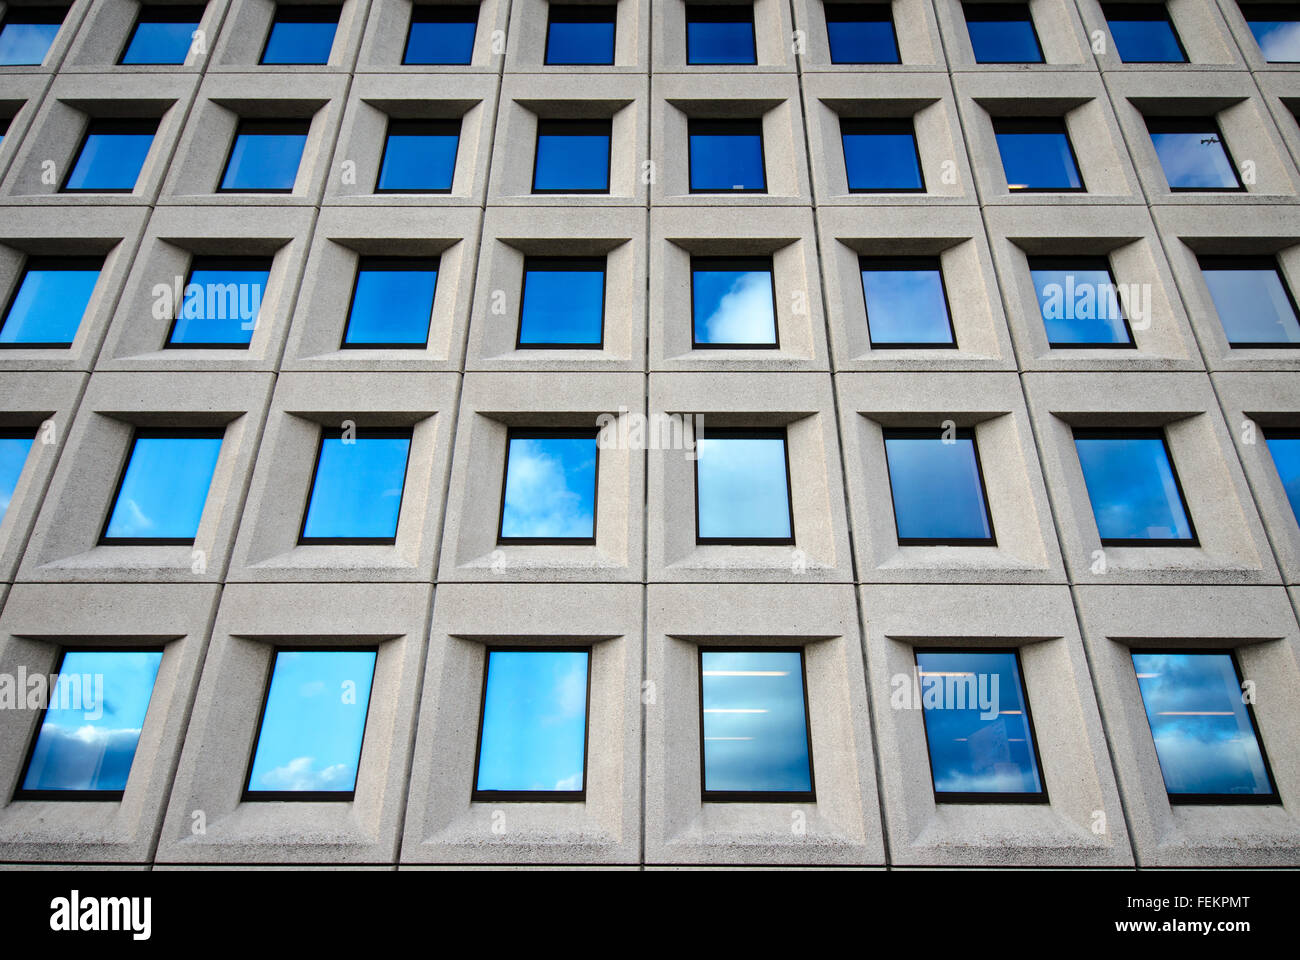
[(861, 12), (109, 126), (872, 263), (154, 433), (301, 13), (209, 262), (554, 433), (882, 126), (719, 13), (1040, 125), (441, 13), (249, 126), (546, 127), (431, 127), (755, 433), (581, 13), (389, 264), (1252, 262), (751, 264), (929, 433), (47, 262), (696, 126), (1003, 12), (1099, 261), (334, 433), (1138, 433), (566, 265), (162, 13), (1193, 125), (1143, 13)]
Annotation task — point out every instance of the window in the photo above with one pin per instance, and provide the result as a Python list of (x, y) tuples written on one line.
[(549, 491), (1205, 736), (312, 725), (88, 734), (111, 156), (162, 34), (392, 301), (222, 302), (938, 488), (1002, 33), (1136, 497), (907, 303), (861, 33), (1079, 302), (563, 303), (356, 490), (742, 488), (1037, 154), (441, 34), (880, 156), (733, 303), (162, 490), (977, 727), (265, 156), (580, 34), (726, 156), (720, 34), (26, 34), (1276, 27), (301, 34), (754, 729), (1143, 33), (50, 301), (1283, 445), (419, 156), (14, 447), (572, 156), (532, 736), (1254, 303), (1193, 154), (4, 128)]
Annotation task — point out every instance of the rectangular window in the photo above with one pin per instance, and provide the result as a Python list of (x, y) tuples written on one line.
[(356, 489), (580, 33), (441, 34), (907, 303), (1193, 154), (312, 725), (978, 729), (572, 156), (419, 156), (50, 301), (1037, 155), (14, 447), (1079, 302), (861, 32), (301, 34), (88, 734), (755, 736), (937, 488), (1134, 489), (1253, 301), (733, 303), (563, 303), (27, 33), (532, 735), (1002, 33), (111, 156), (548, 494), (221, 304), (1284, 447), (1143, 34), (1205, 736), (163, 488), (392, 301), (881, 156), (265, 155), (162, 35), (4, 128), (742, 488), (726, 156), (1276, 27), (720, 34)]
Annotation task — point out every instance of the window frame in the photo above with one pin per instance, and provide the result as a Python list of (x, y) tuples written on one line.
[(1143, 13), (576, 10), (936, 433), (157, 433), (256, 126), (163, 13), (1195, 125), (441, 13), (1251, 262), (300, 13), (46, 262), (390, 264), (764, 263), (1068, 263), (698, 126), (865, 263), (108, 126), (229, 263), (552, 433), (572, 265), (718, 13), (885, 126), (369, 433), (606, 126), (1002, 12), (737, 433), (1039, 125), (433, 126), (833, 12)]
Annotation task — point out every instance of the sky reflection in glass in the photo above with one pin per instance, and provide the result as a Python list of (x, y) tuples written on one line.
[(727, 156), (861, 33), (441, 34), (1284, 446), (580, 34), (1252, 301), (301, 34), (937, 489), (732, 303), (1036, 155), (265, 156), (906, 304), (162, 34), (419, 155), (572, 156), (225, 305), (550, 488), (1079, 303), (563, 303), (1192, 155), (50, 302), (1132, 487), (164, 488), (1276, 28), (720, 34), (880, 155), (1002, 33), (357, 492), (26, 34), (1142, 33), (392, 303), (13, 456), (742, 490)]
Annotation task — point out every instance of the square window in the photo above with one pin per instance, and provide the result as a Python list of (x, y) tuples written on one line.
[(580, 34), (1037, 154), (726, 156), (572, 156), (1143, 34), (755, 742), (441, 34), (1205, 736), (163, 487), (733, 303), (301, 34), (1193, 154), (720, 34), (907, 303), (881, 156), (861, 32), (1002, 33), (50, 301), (937, 488), (548, 494), (563, 303), (14, 447), (1276, 27), (1283, 446), (88, 734), (392, 301), (356, 489), (1134, 489), (111, 156), (26, 34), (312, 726), (419, 156), (163, 34), (265, 155), (221, 304), (1079, 302), (742, 488), (1254, 303), (532, 737)]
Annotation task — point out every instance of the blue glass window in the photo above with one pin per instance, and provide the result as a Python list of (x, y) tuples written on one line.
[(14, 447), (726, 156), (1143, 33), (265, 155), (906, 302), (861, 33), (732, 302), (301, 34), (392, 302), (580, 34), (163, 34), (441, 34), (111, 156), (419, 156), (720, 34), (1002, 33), (549, 491), (26, 34), (1276, 27), (49, 302), (163, 487), (1136, 497), (1205, 736), (880, 156), (938, 488), (1037, 154), (533, 728), (742, 487), (1193, 154), (91, 726), (563, 303), (356, 491), (221, 302), (1284, 446), (754, 725), (572, 156), (1254, 303), (1079, 302), (312, 726)]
